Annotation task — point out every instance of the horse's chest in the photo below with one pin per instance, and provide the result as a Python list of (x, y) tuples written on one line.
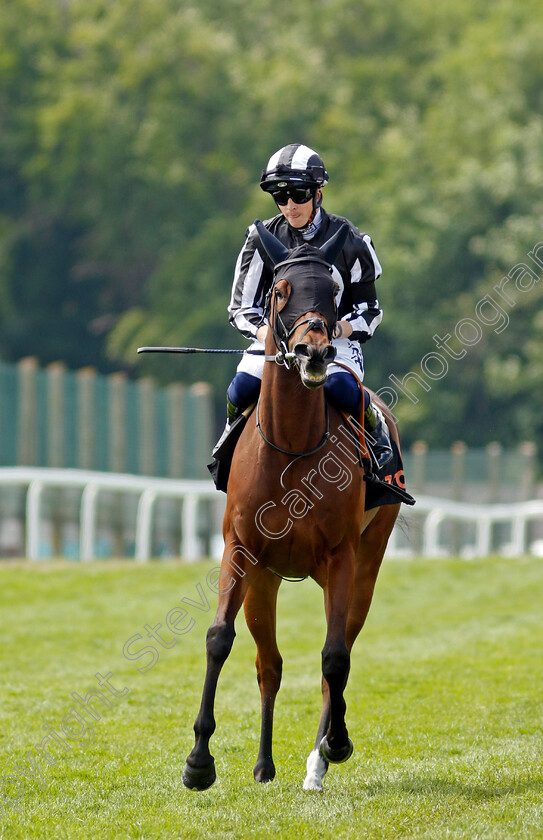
[(293, 530)]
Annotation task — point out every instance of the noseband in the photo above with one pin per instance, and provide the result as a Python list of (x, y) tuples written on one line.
[(282, 336)]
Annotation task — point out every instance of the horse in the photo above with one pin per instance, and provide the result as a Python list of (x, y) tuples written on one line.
[(295, 509)]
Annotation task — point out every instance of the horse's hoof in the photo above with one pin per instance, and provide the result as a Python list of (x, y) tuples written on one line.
[(199, 778), (336, 756), (312, 785), (264, 771)]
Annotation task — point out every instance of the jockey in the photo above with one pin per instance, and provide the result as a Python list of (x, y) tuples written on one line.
[(294, 177)]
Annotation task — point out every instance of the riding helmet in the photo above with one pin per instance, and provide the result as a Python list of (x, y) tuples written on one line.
[(296, 164)]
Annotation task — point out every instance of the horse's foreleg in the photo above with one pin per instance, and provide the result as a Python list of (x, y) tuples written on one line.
[(316, 765), (370, 554), (336, 746), (199, 772), (260, 613)]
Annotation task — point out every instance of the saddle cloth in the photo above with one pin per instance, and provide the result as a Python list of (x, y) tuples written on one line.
[(391, 475)]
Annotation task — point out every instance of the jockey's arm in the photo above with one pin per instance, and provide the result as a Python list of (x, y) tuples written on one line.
[(360, 323), (343, 329), (246, 310)]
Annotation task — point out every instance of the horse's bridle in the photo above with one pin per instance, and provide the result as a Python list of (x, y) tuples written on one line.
[(280, 331), (285, 356), (281, 336)]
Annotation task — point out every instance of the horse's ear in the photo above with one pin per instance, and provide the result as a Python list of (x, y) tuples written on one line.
[(274, 248), (331, 249)]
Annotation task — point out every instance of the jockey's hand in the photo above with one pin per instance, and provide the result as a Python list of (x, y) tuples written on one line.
[(343, 329), (261, 333)]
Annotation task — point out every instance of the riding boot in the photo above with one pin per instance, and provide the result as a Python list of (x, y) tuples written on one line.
[(232, 414), (224, 448), (375, 424)]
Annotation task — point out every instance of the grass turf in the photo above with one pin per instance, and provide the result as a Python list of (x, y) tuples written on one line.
[(443, 705)]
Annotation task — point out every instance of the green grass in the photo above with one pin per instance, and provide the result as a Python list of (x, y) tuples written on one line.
[(443, 705)]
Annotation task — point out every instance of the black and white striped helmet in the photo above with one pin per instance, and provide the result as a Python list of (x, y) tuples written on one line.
[(294, 164)]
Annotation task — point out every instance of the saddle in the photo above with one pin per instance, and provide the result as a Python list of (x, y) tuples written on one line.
[(220, 465)]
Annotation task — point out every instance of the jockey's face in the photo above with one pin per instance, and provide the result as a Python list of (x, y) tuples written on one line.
[(298, 215)]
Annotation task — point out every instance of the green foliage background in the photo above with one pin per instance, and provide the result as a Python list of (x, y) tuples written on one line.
[(132, 135)]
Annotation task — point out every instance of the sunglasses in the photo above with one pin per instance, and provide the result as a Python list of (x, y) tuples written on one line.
[(299, 195)]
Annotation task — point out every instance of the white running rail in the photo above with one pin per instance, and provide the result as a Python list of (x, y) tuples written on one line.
[(431, 512), (435, 512), (36, 480)]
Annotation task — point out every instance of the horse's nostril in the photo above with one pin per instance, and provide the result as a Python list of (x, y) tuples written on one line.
[(315, 355), (303, 351)]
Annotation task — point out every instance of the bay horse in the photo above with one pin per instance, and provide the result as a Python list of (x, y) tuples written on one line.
[(295, 509)]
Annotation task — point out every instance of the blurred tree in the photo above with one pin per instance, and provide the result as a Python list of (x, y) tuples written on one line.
[(132, 136)]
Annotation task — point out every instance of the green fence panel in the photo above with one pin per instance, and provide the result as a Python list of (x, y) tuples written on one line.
[(162, 439), (54, 417), (117, 443), (70, 419), (27, 419), (54, 414), (147, 428), (9, 414), (41, 418), (198, 425), (132, 428), (101, 412), (176, 430)]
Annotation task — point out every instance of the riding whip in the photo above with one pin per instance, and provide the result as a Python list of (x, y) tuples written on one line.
[(194, 350)]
